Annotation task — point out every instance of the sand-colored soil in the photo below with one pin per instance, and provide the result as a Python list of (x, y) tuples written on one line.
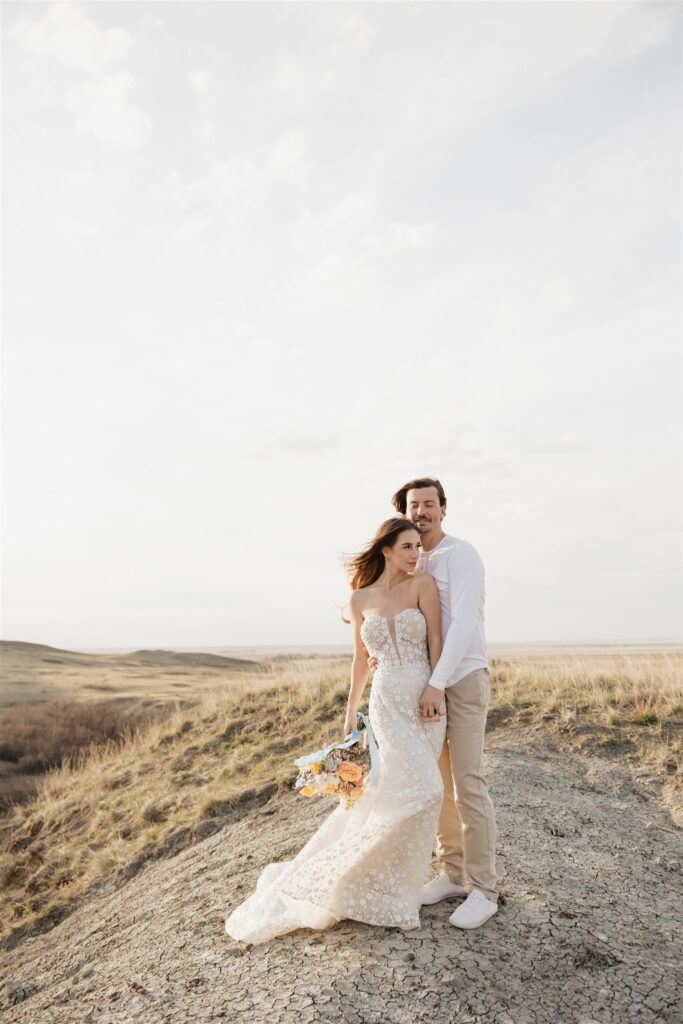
[(590, 862)]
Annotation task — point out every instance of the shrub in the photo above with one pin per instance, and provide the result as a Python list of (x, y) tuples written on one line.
[(36, 737)]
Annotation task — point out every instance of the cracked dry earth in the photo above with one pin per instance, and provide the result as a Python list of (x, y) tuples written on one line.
[(588, 934)]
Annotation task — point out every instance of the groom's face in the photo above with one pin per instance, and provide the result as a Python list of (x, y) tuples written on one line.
[(423, 509)]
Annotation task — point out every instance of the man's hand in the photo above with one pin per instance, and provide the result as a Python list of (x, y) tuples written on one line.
[(432, 704), (372, 660)]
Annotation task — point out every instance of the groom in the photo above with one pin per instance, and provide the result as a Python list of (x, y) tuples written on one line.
[(466, 830)]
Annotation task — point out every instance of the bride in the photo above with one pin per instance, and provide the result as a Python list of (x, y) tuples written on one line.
[(369, 863)]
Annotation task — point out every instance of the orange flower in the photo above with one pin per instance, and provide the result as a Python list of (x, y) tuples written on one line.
[(350, 772)]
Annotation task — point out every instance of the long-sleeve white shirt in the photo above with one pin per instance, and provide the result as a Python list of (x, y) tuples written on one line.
[(459, 573)]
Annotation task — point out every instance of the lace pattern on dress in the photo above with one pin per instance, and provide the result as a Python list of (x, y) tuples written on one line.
[(368, 863)]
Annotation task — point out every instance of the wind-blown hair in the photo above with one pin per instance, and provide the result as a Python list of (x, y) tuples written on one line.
[(367, 566)]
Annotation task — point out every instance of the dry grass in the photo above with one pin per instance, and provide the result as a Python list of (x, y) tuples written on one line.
[(35, 737), (630, 704), (153, 793), (99, 819)]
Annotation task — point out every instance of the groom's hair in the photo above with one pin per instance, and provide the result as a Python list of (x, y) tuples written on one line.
[(399, 499)]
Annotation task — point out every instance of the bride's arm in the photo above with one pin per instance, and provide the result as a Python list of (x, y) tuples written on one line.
[(359, 667), (429, 604)]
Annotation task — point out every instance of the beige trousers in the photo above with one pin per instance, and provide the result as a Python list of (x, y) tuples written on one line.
[(466, 830)]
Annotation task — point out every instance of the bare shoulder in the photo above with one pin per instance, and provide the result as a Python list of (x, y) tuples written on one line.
[(358, 599), (426, 583)]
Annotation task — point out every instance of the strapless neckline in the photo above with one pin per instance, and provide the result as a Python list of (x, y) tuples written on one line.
[(376, 615)]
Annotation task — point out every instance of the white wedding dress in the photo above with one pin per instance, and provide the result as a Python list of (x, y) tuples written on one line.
[(368, 863)]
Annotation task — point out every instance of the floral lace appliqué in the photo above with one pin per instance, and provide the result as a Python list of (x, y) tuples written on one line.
[(368, 863)]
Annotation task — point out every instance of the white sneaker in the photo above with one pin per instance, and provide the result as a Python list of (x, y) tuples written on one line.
[(441, 888), (476, 909)]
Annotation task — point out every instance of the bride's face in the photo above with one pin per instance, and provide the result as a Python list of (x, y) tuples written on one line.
[(423, 509), (405, 552)]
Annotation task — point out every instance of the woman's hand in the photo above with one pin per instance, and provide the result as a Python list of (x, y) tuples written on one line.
[(349, 723)]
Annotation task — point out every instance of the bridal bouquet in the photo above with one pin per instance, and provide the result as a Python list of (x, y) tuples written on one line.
[(341, 769)]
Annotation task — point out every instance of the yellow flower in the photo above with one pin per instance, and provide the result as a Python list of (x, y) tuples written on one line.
[(330, 788), (316, 768), (308, 790)]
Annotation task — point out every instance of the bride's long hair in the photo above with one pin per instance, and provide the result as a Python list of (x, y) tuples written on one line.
[(367, 566)]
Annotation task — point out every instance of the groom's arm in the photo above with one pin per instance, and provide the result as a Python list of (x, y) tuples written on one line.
[(466, 585)]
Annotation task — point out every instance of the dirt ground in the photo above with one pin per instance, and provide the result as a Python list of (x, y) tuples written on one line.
[(589, 932)]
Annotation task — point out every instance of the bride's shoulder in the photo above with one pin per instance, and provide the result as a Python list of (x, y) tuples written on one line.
[(357, 599), (425, 583)]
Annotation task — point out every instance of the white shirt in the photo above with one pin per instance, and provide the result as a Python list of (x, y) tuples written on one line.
[(459, 573)]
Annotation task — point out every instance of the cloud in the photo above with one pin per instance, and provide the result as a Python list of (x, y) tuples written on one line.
[(406, 236), (190, 230), (333, 283), (75, 210), (350, 212), (65, 33), (207, 89), (344, 217), (199, 81), (358, 221), (290, 75), (288, 158), (100, 102), (103, 109), (236, 184), (353, 38)]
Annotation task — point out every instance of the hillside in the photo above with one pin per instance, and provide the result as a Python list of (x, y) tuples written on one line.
[(118, 875), (590, 863), (34, 673)]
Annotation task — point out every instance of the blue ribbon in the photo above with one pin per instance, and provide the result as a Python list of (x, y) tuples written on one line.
[(372, 744), (349, 741)]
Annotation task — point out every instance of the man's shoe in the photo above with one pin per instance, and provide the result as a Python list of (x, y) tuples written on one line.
[(441, 888), (476, 909)]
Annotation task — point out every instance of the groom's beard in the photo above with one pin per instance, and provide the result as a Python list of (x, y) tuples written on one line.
[(426, 527), (423, 525)]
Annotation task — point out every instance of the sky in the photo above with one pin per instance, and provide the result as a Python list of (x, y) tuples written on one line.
[(265, 262)]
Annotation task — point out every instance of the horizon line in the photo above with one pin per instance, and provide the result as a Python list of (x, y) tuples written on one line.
[(111, 648)]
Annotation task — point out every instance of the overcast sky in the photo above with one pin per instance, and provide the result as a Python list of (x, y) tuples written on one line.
[(263, 262)]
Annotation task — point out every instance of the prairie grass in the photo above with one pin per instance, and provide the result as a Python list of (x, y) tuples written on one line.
[(35, 737), (631, 702), (97, 819)]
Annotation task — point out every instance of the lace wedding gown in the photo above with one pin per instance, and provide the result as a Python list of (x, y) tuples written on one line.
[(368, 863)]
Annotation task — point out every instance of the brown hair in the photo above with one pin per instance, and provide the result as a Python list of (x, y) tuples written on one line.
[(399, 499), (367, 566)]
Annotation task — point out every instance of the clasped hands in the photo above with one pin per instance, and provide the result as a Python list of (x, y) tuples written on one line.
[(431, 704)]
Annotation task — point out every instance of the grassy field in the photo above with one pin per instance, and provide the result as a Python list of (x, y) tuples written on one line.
[(36, 673), (45, 691), (173, 782)]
